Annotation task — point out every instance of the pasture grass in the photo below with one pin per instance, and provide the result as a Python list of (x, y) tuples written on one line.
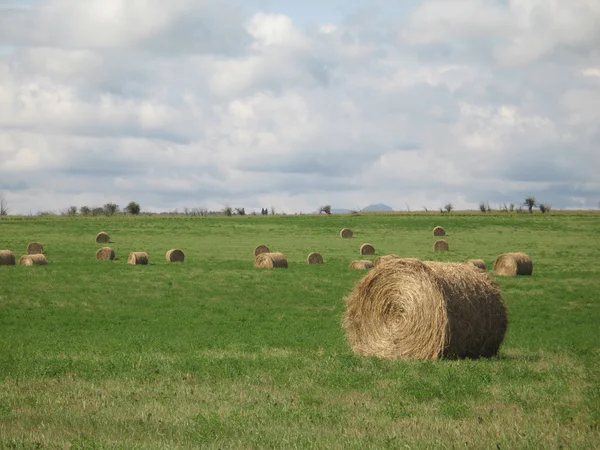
[(215, 353)]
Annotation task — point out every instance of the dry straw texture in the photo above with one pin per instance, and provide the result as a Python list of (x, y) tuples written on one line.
[(35, 248), (367, 249), (314, 258), (7, 258), (175, 255), (271, 260), (385, 258), (425, 310), (439, 231), (510, 264), (479, 263), (102, 238), (346, 233), (261, 249), (105, 254), (137, 258), (33, 260), (361, 264), (441, 246)]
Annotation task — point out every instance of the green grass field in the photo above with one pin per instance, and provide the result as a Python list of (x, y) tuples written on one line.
[(215, 353)]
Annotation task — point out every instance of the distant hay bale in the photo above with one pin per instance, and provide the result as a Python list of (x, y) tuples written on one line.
[(479, 263), (136, 258), (441, 246), (439, 231), (102, 238), (175, 255), (511, 264), (261, 249), (425, 310), (361, 264), (35, 248), (7, 258), (314, 258), (367, 249), (271, 260), (36, 259), (346, 233), (105, 254)]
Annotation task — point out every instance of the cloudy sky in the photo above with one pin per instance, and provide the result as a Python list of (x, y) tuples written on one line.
[(260, 103)]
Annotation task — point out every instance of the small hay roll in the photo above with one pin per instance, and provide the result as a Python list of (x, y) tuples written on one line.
[(511, 264), (439, 231), (441, 246), (7, 258), (271, 261), (367, 249), (136, 258), (102, 238), (35, 248), (105, 254), (346, 233), (425, 310), (36, 259), (479, 263), (175, 255), (261, 249), (361, 264), (314, 258)]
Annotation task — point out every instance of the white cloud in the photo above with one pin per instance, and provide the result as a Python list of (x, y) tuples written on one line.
[(200, 104)]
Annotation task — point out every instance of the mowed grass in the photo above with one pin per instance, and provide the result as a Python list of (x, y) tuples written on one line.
[(215, 353)]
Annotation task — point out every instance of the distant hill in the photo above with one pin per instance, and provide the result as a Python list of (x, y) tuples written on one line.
[(378, 207)]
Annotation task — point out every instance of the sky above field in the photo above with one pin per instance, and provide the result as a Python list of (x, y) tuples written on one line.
[(262, 103)]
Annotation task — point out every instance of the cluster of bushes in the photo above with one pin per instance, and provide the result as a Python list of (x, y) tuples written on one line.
[(529, 203)]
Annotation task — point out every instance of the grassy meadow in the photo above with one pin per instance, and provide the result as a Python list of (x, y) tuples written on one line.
[(215, 353)]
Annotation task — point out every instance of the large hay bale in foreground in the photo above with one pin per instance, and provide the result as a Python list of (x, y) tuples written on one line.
[(314, 258), (439, 231), (271, 261), (367, 249), (35, 248), (385, 258), (261, 249), (479, 263), (361, 264), (7, 258), (105, 254), (511, 264), (136, 258), (441, 246), (346, 233), (425, 310), (102, 238), (175, 255), (36, 259)]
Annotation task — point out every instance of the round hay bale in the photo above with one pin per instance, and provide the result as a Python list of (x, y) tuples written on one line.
[(479, 263), (314, 258), (175, 255), (36, 259), (441, 246), (136, 258), (439, 231), (102, 238), (385, 258), (425, 310), (367, 249), (261, 249), (346, 233), (35, 248), (7, 258), (105, 254), (361, 264), (511, 264), (271, 261)]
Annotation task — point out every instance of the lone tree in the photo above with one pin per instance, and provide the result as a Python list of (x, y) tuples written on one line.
[(325, 209), (531, 203), (3, 206), (132, 208)]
